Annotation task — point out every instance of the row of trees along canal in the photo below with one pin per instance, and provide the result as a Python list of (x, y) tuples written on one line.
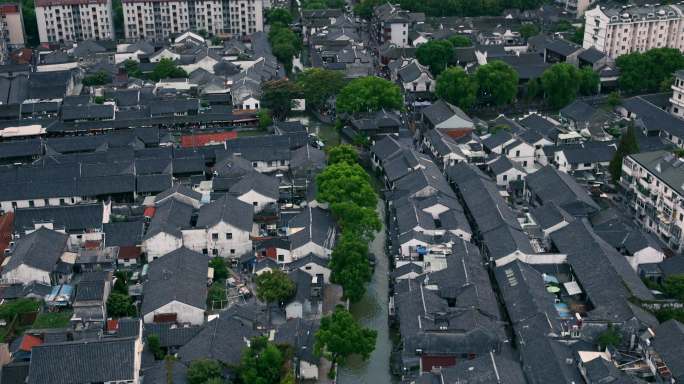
[(346, 187)]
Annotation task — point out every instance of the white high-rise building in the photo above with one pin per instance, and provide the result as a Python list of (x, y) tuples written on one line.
[(159, 19), (12, 25), (677, 99), (74, 20), (618, 31)]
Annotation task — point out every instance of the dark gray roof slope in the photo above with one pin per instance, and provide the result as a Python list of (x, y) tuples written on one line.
[(603, 273), (487, 369), (123, 234), (318, 226), (40, 249), (69, 363), (551, 185), (229, 210), (163, 371), (668, 343), (180, 275), (653, 117), (171, 335), (259, 183), (665, 166), (170, 217), (180, 189), (223, 339), (73, 218)]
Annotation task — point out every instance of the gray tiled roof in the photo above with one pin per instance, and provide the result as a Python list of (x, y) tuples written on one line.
[(170, 217), (668, 343), (163, 371), (487, 369), (229, 210), (665, 166), (123, 233), (604, 274), (551, 185), (180, 275), (180, 189), (68, 363), (223, 339), (171, 335), (40, 249), (259, 183), (73, 218), (318, 227), (654, 118)]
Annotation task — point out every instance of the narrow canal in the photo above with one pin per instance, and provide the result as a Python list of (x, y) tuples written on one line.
[(372, 312)]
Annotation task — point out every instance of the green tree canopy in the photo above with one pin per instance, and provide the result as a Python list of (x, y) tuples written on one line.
[(98, 78), (529, 30), (626, 146), (265, 119), (220, 268), (279, 16), (460, 41), (167, 69), (361, 221), (262, 363), (274, 286), (457, 87), (154, 343), (673, 286), (364, 8), (216, 296), (497, 83), (645, 72), (341, 336), (344, 182), (610, 336), (322, 4), (285, 44), (343, 153), (533, 89), (202, 370), (369, 94), (561, 83), (349, 265), (435, 54), (278, 96), (588, 81), (614, 99), (120, 305), (132, 68), (18, 307), (318, 85)]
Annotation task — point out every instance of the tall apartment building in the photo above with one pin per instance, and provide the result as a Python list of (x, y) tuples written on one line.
[(655, 181), (617, 31), (391, 24), (12, 25), (74, 20), (677, 99), (158, 19)]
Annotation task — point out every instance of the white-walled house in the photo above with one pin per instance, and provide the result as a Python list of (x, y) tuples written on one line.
[(176, 288), (506, 171), (223, 228), (313, 265), (35, 257), (414, 77), (522, 153), (165, 231), (260, 191)]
